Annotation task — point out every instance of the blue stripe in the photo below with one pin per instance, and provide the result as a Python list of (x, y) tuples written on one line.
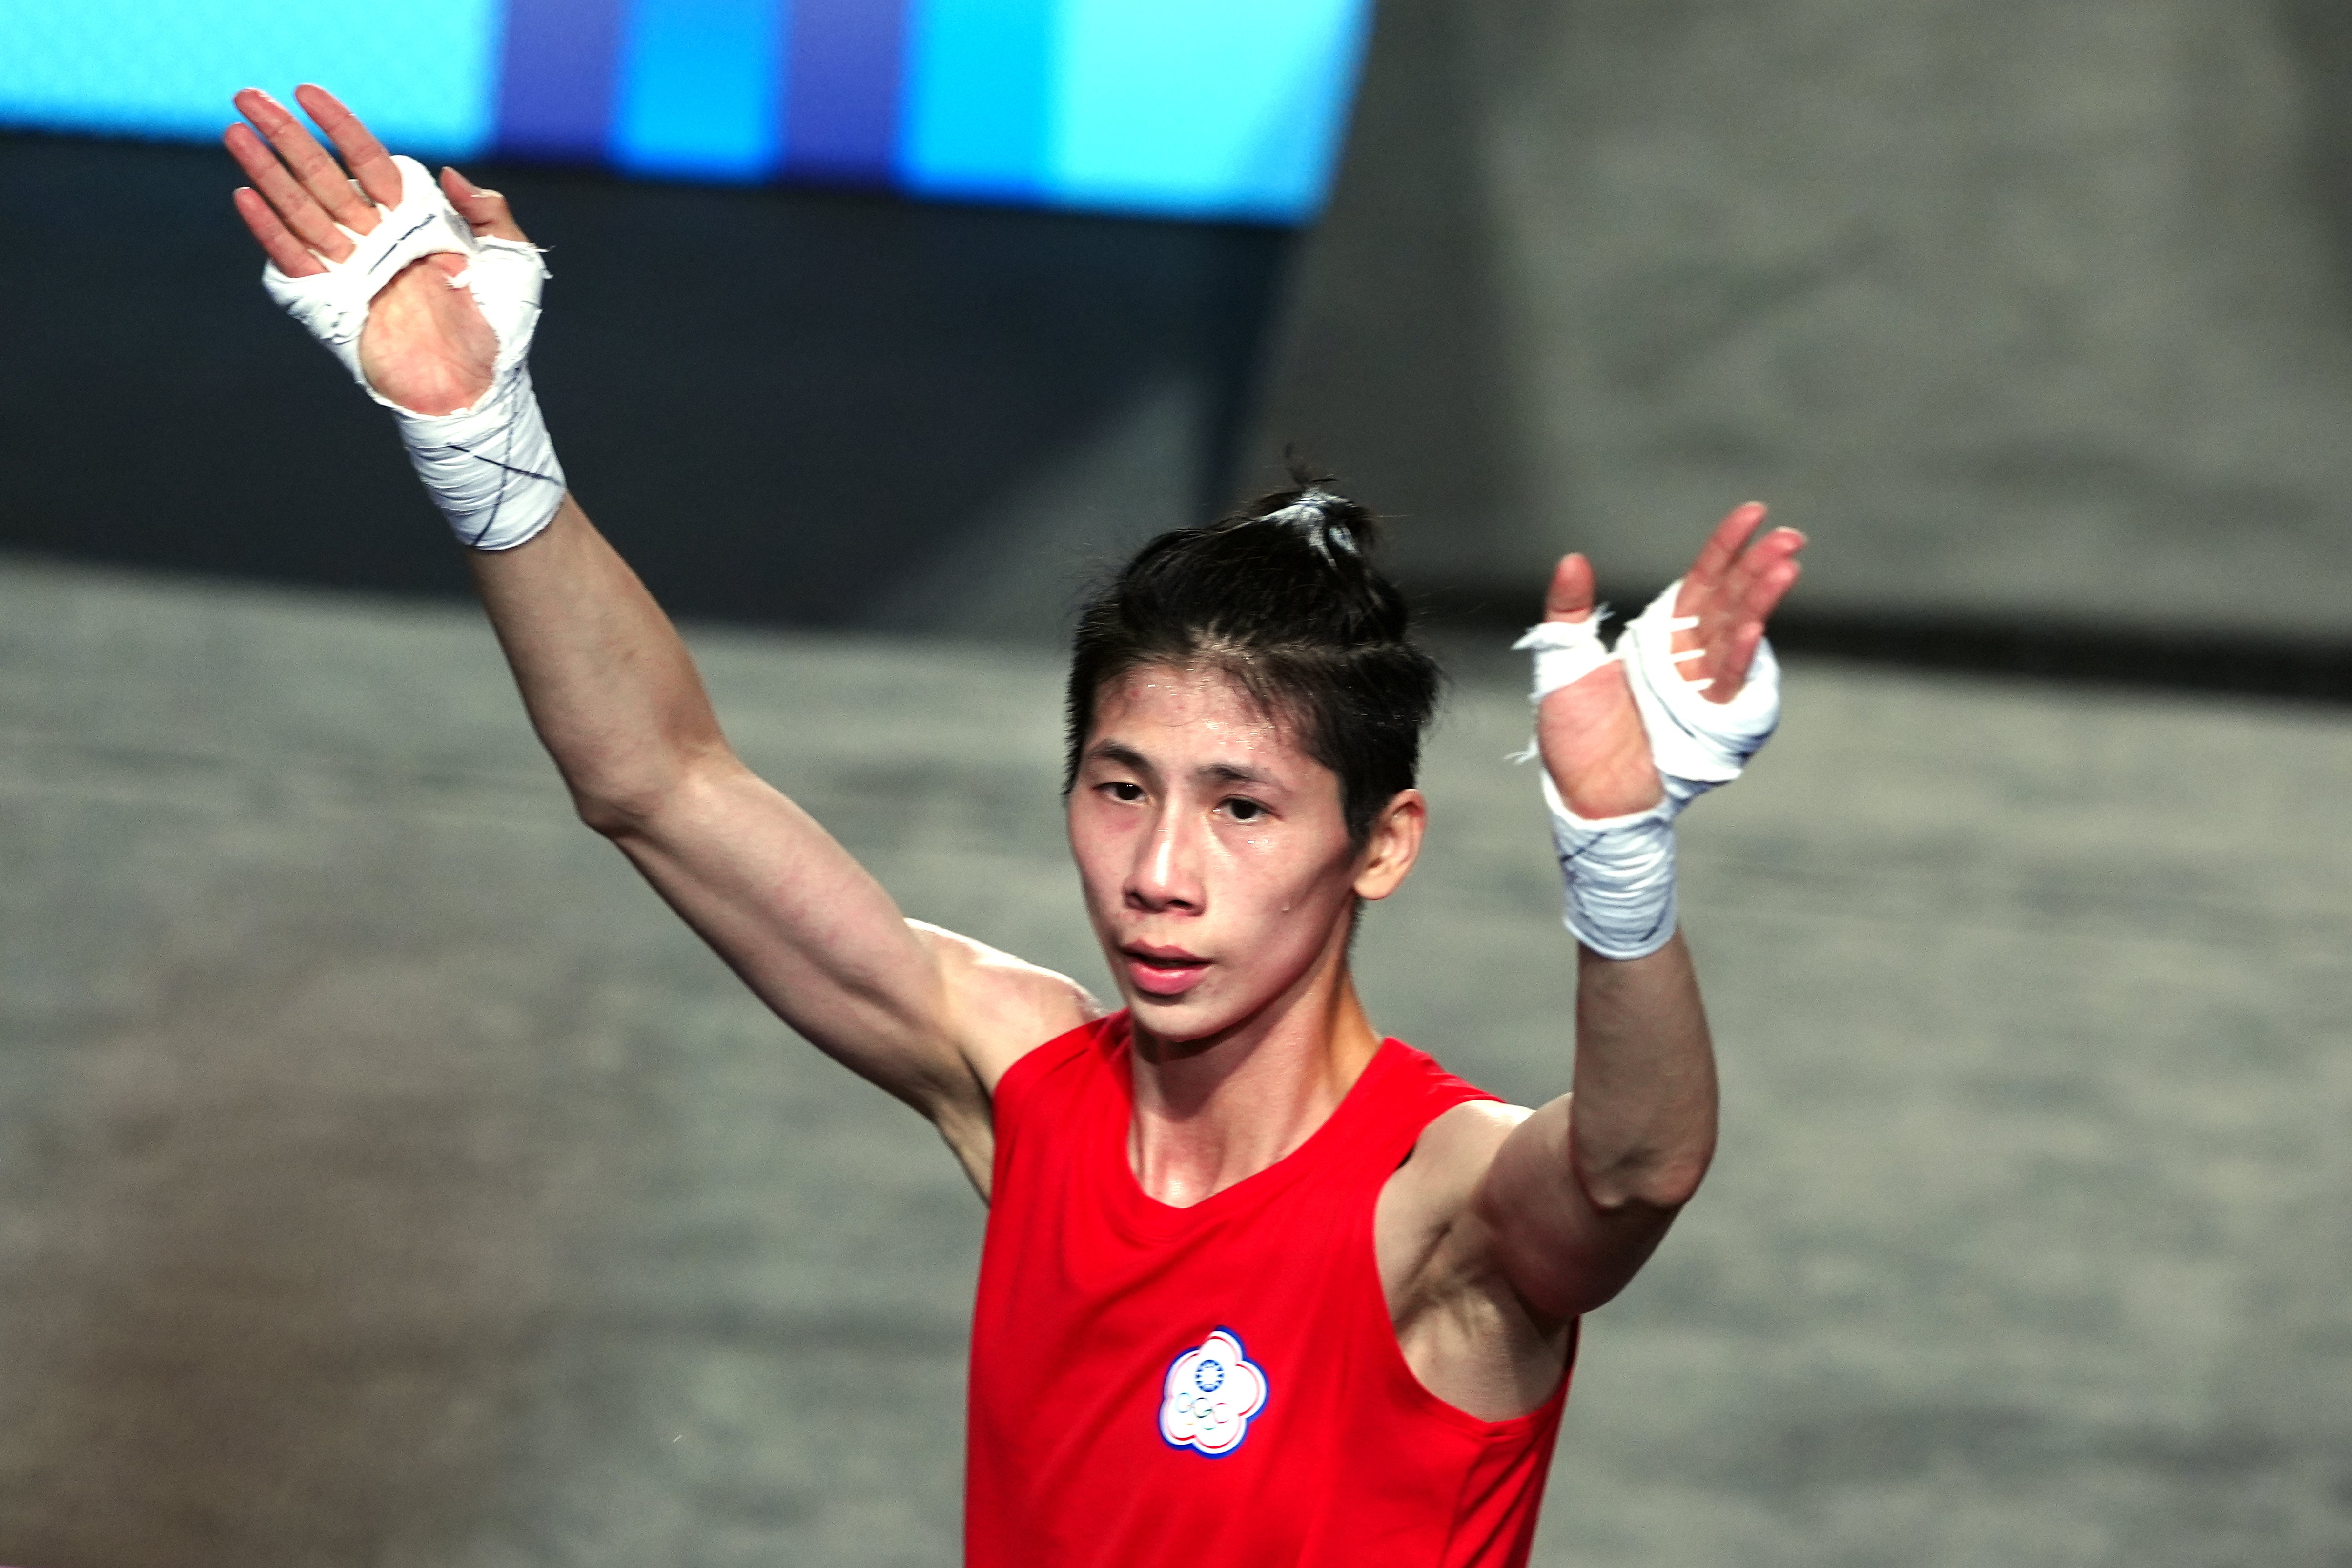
[(977, 121), (1231, 109), (1208, 108), (701, 88), (424, 75)]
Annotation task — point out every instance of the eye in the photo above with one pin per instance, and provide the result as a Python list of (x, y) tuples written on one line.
[(1244, 810), (1125, 790)]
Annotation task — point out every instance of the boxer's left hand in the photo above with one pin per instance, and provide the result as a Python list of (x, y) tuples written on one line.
[(1590, 732)]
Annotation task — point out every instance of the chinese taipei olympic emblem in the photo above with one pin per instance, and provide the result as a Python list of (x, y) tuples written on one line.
[(1210, 1393)]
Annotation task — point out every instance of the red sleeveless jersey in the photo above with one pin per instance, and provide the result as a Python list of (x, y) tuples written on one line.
[(1221, 1383)]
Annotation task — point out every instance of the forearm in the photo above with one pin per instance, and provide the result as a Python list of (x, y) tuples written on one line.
[(1642, 1121), (608, 684)]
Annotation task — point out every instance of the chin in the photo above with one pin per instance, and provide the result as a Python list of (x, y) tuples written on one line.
[(1185, 1014), (1183, 1019)]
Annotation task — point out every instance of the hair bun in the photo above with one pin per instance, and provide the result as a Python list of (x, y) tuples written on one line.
[(1327, 519), (1330, 590)]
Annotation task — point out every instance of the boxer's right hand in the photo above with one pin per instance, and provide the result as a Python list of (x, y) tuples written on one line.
[(427, 346)]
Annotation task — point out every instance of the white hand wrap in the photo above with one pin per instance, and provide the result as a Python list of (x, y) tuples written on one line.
[(1696, 744), (491, 468), (1566, 650), (1619, 870)]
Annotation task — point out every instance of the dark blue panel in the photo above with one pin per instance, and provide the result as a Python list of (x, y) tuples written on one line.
[(556, 76), (840, 113)]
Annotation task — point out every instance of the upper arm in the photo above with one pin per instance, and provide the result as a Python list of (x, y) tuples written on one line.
[(1489, 1205), (930, 1017), (1564, 1252)]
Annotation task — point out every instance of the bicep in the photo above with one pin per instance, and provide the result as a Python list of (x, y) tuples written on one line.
[(807, 927), (1563, 1252)]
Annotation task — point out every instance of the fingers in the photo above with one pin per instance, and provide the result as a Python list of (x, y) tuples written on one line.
[(1755, 582), (1737, 583), (318, 175), (1739, 652), (290, 255), (369, 164), (1569, 597), (1734, 587), (293, 206), (1723, 546), (1769, 588), (1767, 583), (485, 209)]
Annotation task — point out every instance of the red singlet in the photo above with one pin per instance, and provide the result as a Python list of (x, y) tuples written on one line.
[(1220, 1384)]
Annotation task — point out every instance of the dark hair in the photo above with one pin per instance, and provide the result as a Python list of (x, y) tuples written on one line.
[(1283, 599)]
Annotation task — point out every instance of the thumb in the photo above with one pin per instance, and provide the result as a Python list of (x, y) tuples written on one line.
[(1569, 597), (486, 211)]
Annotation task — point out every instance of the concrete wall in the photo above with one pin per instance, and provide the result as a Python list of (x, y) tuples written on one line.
[(2021, 311)]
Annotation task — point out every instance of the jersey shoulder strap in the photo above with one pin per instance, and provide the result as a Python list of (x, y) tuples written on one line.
[(1055, 1064), (1420, 1090)]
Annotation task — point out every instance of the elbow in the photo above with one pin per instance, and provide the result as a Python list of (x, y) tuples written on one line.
[(616, 814), (633, 807), (1671, 1185), (625, 803), (1654, 1182)]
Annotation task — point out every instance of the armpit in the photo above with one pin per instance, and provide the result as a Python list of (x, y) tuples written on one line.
[(1425, 1215)]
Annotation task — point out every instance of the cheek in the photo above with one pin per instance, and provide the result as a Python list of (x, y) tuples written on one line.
[(1273, 886), (1099, 850)]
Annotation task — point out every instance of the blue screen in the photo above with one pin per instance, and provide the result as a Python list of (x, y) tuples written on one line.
[(1189, 108)]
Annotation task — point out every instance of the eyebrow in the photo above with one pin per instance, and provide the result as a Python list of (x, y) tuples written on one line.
[(1125, 755)]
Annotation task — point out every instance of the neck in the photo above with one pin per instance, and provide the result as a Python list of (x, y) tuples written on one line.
[(1212, 1112)]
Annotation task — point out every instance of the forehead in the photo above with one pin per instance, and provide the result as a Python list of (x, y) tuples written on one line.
[(1189, 710)]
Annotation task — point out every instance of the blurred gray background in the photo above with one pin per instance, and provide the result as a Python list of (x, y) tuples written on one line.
[(386, 1177), (2018, 310)]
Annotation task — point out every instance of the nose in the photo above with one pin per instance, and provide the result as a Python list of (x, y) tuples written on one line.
[(1166, 871)]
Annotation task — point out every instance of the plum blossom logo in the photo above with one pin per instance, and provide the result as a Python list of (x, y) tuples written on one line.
[(1212, 1392)]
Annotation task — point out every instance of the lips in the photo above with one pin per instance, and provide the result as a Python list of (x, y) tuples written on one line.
[(1165, 972)]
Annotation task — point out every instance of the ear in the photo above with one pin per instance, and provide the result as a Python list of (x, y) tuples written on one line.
[(1395, 844)]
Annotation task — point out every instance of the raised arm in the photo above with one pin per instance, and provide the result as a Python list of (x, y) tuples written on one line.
[(614, 696), (931, 1017), (1579, 1194)]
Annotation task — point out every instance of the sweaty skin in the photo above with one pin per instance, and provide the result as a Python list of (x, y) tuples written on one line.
[(1214, 862)]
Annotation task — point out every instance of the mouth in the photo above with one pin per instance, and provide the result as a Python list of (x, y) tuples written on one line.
[(1162, 973)]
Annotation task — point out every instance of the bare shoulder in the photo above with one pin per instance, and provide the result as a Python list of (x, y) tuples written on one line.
[(1436, 1186), (1002, 1007)]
